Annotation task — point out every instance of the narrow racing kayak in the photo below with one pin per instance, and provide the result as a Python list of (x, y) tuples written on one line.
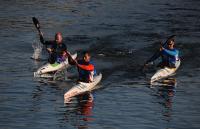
[(48, 68), (165, 72), (81, 88)]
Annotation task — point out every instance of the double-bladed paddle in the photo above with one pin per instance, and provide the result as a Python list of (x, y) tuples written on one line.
[(158, 51)]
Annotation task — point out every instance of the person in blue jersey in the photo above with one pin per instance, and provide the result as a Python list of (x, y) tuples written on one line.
[(170, 55), (57, 49), (86, 68)]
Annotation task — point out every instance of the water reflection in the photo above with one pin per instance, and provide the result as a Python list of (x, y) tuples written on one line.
[(167, 94), (165, 91), (79, 112)]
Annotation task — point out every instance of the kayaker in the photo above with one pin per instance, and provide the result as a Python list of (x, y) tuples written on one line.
[(57, 49), (170, 55), (86, 69)]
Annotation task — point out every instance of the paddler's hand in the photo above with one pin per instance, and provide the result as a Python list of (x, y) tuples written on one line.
[(64, 55), (49, 49), (161, 48), (40, 33), (76, 63), (70, 57), (148, 63)]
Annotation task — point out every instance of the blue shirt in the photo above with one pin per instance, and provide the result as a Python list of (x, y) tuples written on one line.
[(169, 57)]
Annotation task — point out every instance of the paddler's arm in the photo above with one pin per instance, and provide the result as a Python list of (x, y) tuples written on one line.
[(170, 52), (153, 58), (89, 67), (64, 48), (43, 41)]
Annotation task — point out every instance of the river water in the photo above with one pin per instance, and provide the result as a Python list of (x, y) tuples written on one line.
[(121, 35)]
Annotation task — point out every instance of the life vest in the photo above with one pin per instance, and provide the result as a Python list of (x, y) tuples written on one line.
[(86, 71)]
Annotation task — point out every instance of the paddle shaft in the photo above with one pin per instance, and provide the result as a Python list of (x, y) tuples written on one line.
[(37, 26), (70, 56)]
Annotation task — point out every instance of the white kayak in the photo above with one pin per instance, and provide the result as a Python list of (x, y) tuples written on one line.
[(165, 72), (81, 88), (48, 68)]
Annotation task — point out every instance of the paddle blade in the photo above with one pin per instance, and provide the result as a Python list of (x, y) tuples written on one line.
[(36, 22), (171, 37)]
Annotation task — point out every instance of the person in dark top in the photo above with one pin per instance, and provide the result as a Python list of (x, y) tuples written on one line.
[(86, 68), (57, 49)]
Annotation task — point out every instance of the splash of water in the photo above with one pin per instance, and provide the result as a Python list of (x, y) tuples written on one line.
[(37, 47)]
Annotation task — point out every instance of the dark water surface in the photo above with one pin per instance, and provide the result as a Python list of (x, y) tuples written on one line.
[(121, 35)]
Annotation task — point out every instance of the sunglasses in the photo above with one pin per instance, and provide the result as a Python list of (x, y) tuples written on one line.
[(170, 44)]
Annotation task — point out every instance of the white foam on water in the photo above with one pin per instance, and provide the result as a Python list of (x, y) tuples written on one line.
[(37, 47)]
